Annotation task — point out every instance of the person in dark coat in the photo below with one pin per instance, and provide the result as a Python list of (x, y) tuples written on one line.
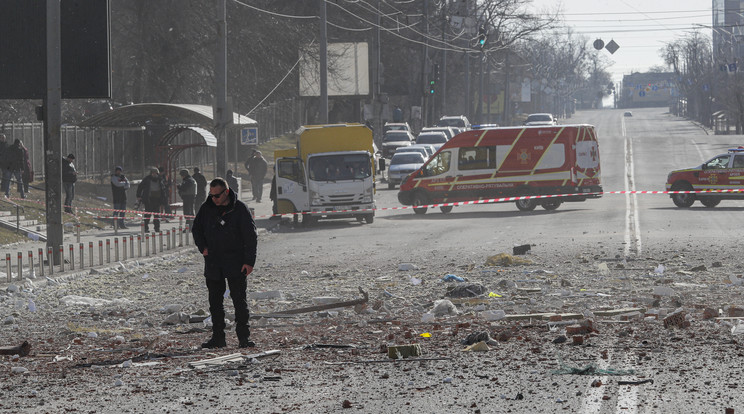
[(28, 173), (69, 177), (187, 192), (3, 158), (225, 234), (257, 167), (119, 186), (13, 168), (153, 194), (232, 182), (201, 188)]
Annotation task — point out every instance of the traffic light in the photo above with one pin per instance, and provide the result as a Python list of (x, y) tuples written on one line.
[(482, 36), (434, 79)]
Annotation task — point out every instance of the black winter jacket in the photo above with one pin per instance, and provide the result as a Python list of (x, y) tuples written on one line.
[(230, 237), (143, 189)]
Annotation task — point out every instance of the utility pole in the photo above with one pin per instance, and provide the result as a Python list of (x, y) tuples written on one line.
[(468, 99), (424, 61), (505, 118), (323, 64), (52, 125), (443, 99), (222, 114)]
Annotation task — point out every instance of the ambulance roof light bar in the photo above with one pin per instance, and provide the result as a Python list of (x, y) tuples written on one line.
[(740, 149)]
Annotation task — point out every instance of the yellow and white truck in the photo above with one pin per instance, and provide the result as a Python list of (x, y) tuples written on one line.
[(329, 174)]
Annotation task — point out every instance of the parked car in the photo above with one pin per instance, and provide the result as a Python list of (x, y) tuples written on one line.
[(428, 147), (484, 126), (414, 148), (540, 120), (459, 121), (403, 164), (628, 113), (433, 138), (448, 131), (396, 126), (394, 139), (722, 172)]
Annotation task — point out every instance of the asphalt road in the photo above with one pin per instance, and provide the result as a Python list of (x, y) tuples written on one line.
[(636, 154)]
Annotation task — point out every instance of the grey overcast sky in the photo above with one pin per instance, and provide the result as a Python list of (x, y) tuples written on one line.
[(639, 27)]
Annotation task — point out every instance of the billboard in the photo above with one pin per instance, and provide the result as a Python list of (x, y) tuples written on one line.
[(348, 70), (84, 37)]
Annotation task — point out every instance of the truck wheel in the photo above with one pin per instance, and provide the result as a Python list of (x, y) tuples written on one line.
[(551, 204), (445, 209), (682, 200), (391, 186), (710, 202), (420, 200), (369, 218), (526, 205)]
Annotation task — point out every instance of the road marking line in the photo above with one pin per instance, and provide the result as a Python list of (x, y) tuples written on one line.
[(632, 221)]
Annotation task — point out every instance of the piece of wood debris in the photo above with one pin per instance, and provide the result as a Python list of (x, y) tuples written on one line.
[(20, 350), (236, 357), (614, 312)]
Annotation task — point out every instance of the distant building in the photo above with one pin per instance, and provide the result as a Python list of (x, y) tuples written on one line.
[(728, 31), (642, 90)]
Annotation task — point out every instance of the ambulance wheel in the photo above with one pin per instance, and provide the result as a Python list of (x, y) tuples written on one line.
[(710, 202), (526, 205), (420, 200), (369, 218), (683, 200), (445, 209), (551, 204)]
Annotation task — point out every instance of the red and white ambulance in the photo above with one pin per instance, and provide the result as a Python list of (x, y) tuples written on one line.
[(509, 162)]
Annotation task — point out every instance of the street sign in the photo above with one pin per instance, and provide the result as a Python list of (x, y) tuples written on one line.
[(612, 47), (249, 136)]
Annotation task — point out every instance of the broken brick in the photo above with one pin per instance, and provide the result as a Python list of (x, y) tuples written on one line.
[(676, 320)]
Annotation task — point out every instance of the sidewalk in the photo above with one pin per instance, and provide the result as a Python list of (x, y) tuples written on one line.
[(106, 247)]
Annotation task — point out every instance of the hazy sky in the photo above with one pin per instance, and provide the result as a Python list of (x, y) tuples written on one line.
[(639, 27)]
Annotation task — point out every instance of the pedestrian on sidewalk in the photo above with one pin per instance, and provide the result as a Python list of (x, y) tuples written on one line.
[(201, 188), (232, 182), (257, 167), (119, 186), (187, 192), (225, 234), (28, 173), (3, 159), (152, 193), (13, 168), (69, 177)]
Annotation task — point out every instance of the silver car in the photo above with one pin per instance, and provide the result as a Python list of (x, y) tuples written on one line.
[(402, 165)]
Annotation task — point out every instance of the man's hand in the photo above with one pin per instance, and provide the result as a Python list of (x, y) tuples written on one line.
[(205, 252), (246, 269)]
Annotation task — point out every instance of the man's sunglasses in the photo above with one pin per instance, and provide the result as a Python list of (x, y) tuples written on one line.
[(218, 194)]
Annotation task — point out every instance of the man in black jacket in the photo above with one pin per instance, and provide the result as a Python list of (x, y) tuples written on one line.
[(225, 234), (119, 186), (153, 194), (69, 177), (201, 188), (187, 191), (13, 168)]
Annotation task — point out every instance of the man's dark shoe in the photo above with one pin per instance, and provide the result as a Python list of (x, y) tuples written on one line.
[(214, 342), (246, 344)]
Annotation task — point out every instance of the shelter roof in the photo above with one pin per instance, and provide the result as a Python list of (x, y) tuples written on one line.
[(137, 116)]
